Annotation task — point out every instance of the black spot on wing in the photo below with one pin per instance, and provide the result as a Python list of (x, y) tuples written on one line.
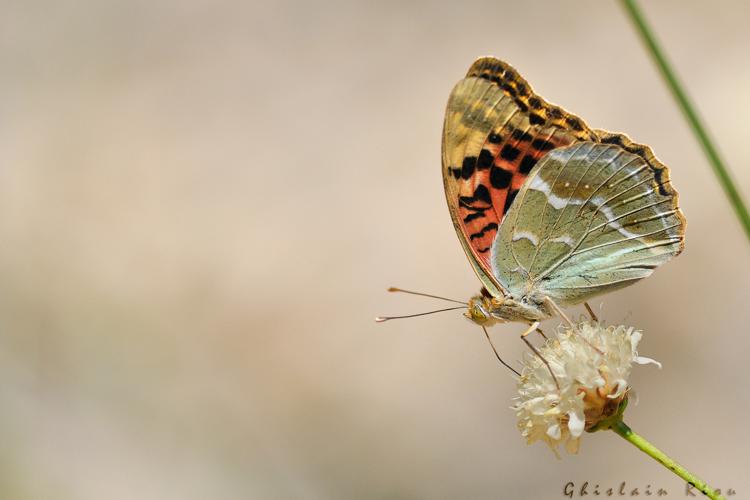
[(658, 175), (500, 178), (554, 113), (536, 119), (509, 153), (489, 227), (520, 135), (613, 139), (542, 145), (481, 193), (474, 215), (485, 160), (476, 209), (509, 199), (467, 169), (508, 88), (574, 123), (527, 163), (535, 103), (495, 138)]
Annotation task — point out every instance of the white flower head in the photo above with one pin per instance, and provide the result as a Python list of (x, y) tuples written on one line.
[(592, 364)]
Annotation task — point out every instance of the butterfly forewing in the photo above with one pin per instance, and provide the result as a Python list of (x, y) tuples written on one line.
[(496, 130)]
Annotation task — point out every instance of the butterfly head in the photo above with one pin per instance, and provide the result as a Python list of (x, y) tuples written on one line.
[(481, 307)]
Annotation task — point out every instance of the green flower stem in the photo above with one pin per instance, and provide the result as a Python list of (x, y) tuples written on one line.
[(626, 432), (721, 171)]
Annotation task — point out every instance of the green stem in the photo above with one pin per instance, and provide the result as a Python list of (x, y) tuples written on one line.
[(626, 432), (721, 171)]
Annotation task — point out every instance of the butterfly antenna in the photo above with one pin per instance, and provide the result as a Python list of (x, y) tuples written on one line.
[(394, 289), (382, 319)]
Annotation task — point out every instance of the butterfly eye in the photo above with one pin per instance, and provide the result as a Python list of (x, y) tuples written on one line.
[(477, 313)]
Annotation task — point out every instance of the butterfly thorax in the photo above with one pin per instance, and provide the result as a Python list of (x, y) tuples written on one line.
[(487, 311)]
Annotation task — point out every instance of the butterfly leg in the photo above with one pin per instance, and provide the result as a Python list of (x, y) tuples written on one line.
[(486, 333), (533, 327), (591, 312), (540, 332), (559, 311), (571, 324)]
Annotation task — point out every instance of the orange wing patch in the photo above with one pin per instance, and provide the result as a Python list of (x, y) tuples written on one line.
[(488, 184)]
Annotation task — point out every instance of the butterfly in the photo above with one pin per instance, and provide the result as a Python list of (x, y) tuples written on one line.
[(549, 212)]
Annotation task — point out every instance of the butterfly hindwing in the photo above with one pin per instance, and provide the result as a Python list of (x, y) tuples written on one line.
[(590, 218)]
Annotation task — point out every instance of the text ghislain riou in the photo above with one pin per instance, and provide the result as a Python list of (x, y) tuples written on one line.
[(572, 490)]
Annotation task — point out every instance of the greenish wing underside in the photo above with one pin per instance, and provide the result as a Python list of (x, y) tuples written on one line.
[(590, 218)]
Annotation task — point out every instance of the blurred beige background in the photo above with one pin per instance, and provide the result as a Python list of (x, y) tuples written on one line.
[(202, 204)]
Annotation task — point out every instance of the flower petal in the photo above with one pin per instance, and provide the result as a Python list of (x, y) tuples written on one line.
[(620, 385), (576, 423), (554, 432), (643, 360)]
